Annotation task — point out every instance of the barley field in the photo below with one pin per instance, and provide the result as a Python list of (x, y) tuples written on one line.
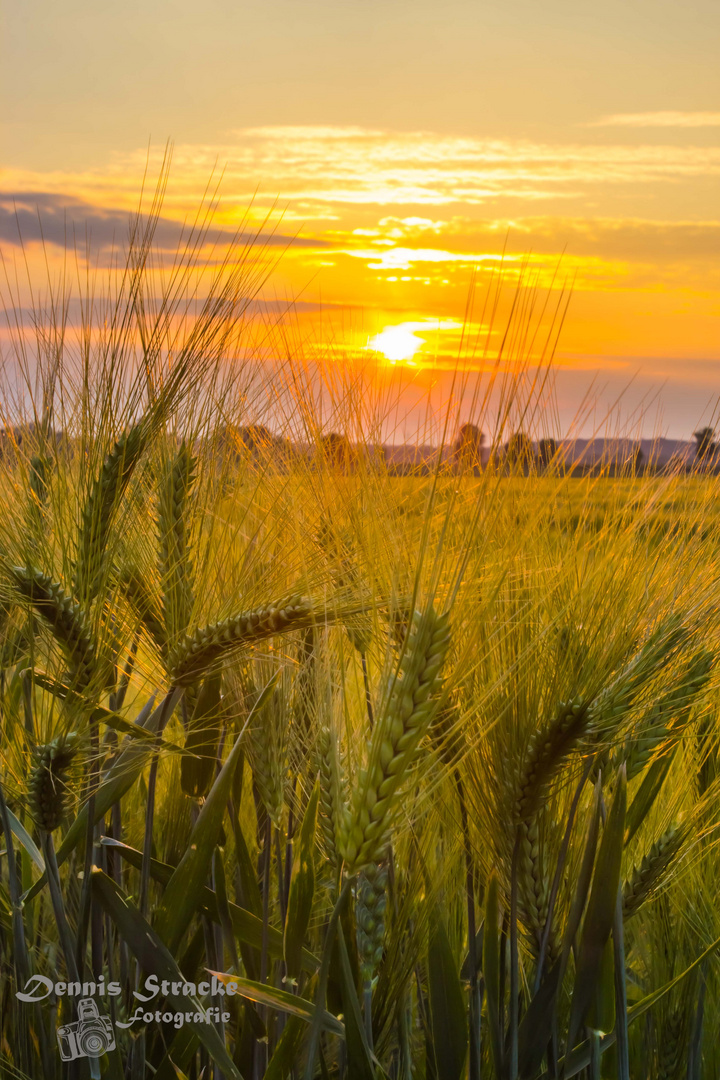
[(308, 770)]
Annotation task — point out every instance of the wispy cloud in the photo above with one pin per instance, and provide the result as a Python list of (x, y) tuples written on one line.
[(667, 119), (394, 226), (318, 172), (56, 218), (403, 258)]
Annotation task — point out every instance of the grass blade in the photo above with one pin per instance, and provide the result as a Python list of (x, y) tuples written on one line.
[(600, 910), (154, 958), (491, 972), (360, 1062), (184, 890), (302, 889), (580, 1057), (26, 840), (448, 1015), (282, 1000), (118, 780), (246, 925), (287, 1051)]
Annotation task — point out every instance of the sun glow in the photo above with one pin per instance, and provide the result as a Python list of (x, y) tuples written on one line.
[(398, 344)]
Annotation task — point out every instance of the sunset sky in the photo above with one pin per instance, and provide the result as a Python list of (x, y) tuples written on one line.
[(400, 148)]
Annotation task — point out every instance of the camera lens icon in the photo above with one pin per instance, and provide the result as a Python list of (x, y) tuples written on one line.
[(90, 1036)]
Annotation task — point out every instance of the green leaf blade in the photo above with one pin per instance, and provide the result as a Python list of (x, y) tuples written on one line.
[(448, 1014), (302, 889)]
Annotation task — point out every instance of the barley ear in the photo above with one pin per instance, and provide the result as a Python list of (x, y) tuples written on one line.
[(41, 466), (63, 615), (410, 707), (49, 793), (267, 751), (610, 707), (370, 907), (664, 717), (533, 883), (175, 565), (548, 748), (145, 604), (101, 506), (340, 549), (650, 873), (333, 796), (196, 652)]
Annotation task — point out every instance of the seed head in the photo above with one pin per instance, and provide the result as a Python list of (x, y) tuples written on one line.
[(48, 790), (370, 908), (409, 711)]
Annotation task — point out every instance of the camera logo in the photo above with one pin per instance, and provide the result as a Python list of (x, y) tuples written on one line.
[(90, 1035)]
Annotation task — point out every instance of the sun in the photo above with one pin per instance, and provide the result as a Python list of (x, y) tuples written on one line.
[(398, 344)]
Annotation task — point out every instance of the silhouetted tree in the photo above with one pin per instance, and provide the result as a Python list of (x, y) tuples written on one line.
[(467, 450), (547, 449), (519, 450), (706, 445), (337, 451), (255, 437), (252, 442)]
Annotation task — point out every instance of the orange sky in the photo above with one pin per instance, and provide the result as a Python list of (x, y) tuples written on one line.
[(397, 170)]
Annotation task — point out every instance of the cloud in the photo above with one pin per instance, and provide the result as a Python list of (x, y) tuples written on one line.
[(312, 173), (28, 217), (403, 258), (418, 169), (632, 239), (659, 119), (594, 249)]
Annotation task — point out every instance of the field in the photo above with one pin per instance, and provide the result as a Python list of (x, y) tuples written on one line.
[(420, 772)]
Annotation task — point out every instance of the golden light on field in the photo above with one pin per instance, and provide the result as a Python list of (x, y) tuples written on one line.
[(398, 344)]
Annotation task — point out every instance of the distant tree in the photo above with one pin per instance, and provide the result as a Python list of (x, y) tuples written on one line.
[(467, 450), (637, 458), (519, 450), (337, 451), (251, 441), (255, 437), (706, 445), (284, 453), (547, 449)]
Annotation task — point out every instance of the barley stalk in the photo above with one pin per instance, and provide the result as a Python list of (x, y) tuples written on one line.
[(196, 652), (97, 515), (332, 792), (410, 708), (267, 754), (48, 790), (175, 565), (549, 746), (62, 614), (649, 874), (664, 716), (370, 906)]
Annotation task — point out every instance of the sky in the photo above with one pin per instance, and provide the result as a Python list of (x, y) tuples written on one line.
[(399, 155)]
